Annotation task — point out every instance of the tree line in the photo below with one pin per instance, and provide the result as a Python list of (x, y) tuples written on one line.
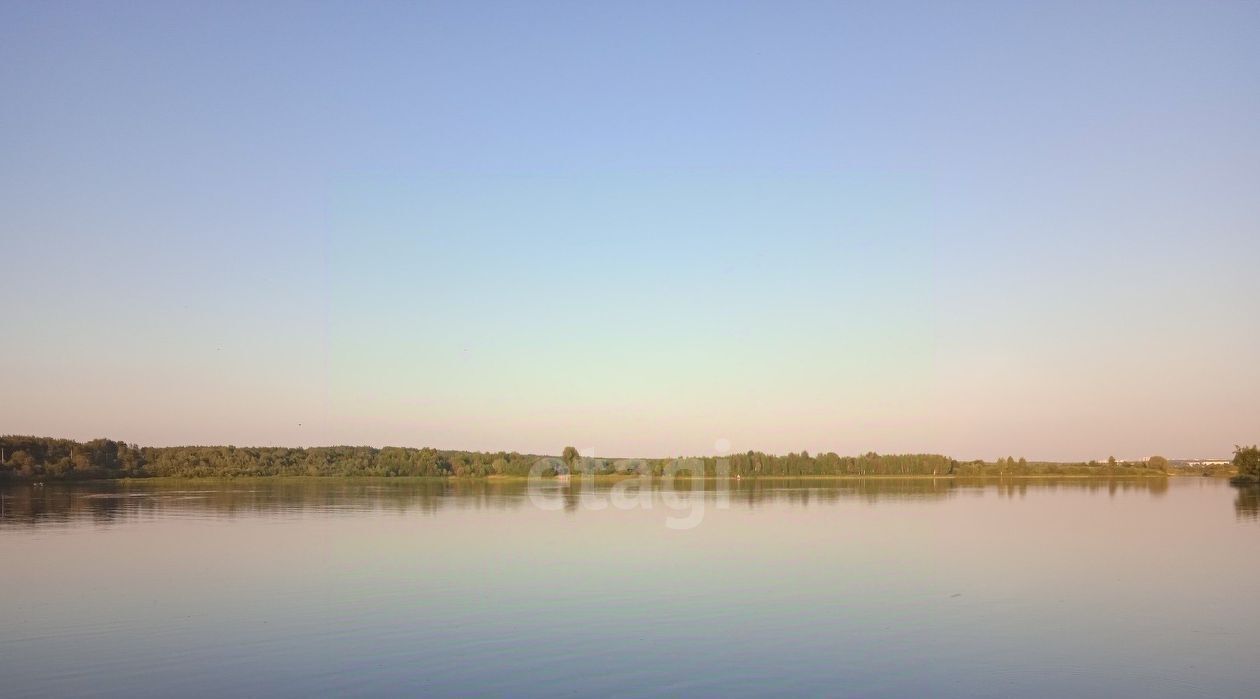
[(50, 458), (45, 457)]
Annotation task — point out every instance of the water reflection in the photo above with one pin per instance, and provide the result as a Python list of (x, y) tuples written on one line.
[(105, 503), (1247, 502), (802, 587)]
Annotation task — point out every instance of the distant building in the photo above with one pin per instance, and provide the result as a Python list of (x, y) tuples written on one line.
[(1208, 462)]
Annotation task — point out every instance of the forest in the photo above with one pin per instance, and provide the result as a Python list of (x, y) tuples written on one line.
[(47, 458)]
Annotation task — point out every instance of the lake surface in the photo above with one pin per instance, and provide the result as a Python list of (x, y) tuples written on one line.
[(876, 588)]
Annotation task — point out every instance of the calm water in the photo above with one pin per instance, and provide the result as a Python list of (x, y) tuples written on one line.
[(874, 588)]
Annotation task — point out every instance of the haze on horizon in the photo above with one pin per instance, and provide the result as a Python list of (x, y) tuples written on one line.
[(637, 228)]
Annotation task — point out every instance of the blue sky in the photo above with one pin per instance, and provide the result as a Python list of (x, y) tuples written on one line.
[(975, 228)]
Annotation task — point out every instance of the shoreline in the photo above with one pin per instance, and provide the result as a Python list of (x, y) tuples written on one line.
[(606, 478)]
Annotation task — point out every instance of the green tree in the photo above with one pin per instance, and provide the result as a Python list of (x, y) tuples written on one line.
[(1247, 461), (570, 458), (1158, 463), (23, 462)]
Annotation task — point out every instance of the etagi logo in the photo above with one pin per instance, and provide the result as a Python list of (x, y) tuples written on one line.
[(635, 487)]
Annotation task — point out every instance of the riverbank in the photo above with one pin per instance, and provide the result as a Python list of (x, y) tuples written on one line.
[(598, 478), (43, 459)]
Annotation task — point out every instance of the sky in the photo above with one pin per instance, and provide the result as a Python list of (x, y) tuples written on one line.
[(640, 228)]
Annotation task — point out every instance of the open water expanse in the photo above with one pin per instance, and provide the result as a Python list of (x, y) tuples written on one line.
[(870, 588)]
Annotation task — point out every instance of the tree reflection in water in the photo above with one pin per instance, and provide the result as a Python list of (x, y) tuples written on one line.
[(1247, 502), (109, 502)]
